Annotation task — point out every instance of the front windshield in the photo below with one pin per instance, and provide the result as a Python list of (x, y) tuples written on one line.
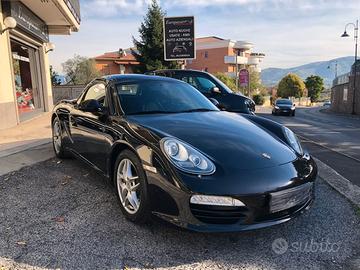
[(157, 96), (284, 101)]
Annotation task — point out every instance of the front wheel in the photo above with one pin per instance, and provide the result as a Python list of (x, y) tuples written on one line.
[(293, 113), (131, 186)]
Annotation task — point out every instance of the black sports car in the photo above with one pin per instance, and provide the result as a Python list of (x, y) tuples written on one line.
[(170, 152), (284, 106)]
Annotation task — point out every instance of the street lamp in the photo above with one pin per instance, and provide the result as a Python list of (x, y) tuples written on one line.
[(356, 34)]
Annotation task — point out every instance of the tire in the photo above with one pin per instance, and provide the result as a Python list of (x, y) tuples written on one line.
[(137, 209), (293, 113), (57, 140)]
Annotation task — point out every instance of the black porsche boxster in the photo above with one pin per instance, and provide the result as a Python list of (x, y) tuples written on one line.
[(171, 153)]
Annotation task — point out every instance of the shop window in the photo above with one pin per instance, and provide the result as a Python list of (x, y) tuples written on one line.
[(25, 67)]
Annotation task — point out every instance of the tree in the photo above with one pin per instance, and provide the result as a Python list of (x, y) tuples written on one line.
[(54, 76), (291, 86), (150, 48), (80, 70), (314, 85), (230, 82)]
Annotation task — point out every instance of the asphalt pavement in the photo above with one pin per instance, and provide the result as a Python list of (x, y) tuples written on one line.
[(61, 214), (333, 139)]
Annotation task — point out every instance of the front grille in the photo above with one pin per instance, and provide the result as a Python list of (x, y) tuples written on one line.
[(218, 214)]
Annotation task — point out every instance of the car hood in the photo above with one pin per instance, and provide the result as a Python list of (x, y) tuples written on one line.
[(229, 139)]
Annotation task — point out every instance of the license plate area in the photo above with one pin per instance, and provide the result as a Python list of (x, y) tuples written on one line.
[(285, 199)]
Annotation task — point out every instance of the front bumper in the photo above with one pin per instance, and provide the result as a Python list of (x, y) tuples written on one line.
[(171, 202), (284, 111)]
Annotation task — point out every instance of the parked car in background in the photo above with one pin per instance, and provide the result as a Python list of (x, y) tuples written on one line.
[(327, 103), (212, 88), (170, 152), (284, 107)]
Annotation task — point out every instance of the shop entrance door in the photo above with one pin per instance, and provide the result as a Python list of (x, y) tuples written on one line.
[(29, 94)]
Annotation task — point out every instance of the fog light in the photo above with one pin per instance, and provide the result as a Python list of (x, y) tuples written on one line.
[(215, 200)]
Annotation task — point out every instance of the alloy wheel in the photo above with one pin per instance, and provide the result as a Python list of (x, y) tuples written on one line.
[(57, 136), (127, 181)]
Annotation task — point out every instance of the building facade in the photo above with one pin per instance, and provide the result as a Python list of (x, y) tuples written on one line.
[(119, 62), (214, 54), (342, 92), (25, 81)]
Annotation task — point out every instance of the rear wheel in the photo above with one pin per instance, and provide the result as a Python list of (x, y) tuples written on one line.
[(131, 187), (57, 140)]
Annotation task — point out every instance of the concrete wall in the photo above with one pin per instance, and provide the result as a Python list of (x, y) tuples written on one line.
[(342, 99), (66, 92), (8, 110)]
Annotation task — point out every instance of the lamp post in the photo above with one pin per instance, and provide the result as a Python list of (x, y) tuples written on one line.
[(356, 34)]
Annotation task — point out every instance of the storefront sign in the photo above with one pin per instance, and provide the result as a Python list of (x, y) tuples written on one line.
[(179, 38), (27, 20), (244, 78)]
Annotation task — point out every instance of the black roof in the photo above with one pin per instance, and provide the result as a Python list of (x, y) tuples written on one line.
[(138, 77)]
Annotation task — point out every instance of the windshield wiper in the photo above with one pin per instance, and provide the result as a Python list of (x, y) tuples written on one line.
[(199, 110)]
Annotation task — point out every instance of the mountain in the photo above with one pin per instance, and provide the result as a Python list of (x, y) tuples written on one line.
[(271, 76)]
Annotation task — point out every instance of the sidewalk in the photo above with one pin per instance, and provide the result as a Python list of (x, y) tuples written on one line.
[(26, 135), (25, 144)]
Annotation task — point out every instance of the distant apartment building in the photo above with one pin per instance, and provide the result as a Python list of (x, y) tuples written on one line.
[(118, 62), (25, 81), (214, 54)]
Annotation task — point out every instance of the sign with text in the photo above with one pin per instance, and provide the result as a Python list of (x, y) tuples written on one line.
[(244, 78), (27, 20), (179, 38)]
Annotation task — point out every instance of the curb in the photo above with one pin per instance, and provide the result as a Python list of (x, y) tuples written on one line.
[(338, 182)]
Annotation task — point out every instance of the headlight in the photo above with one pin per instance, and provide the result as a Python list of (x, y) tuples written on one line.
[(293, 141), (276, 107), (185, 157)]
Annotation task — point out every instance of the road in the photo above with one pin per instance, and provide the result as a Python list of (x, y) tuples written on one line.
[(333, 139), (61, 214)]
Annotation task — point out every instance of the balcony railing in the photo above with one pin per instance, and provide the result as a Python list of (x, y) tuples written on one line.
[(231, 59), (74, 7)]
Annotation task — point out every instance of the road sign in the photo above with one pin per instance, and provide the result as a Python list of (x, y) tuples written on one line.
[(244, 77), (179, 38)]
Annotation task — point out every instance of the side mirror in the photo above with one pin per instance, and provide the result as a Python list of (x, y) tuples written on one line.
[(215, 90), (215, 102), (91, 105)]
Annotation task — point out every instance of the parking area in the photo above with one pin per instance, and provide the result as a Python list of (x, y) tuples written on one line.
[(61, 214)]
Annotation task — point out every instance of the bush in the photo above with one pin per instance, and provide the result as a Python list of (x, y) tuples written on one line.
[(259, 99), (230, 82)]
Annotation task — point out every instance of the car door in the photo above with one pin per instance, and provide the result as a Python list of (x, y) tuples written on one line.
[(90, 129)]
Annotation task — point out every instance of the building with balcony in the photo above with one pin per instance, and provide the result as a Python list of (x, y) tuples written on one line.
[(25, 81), (118, 62), (214, 54)]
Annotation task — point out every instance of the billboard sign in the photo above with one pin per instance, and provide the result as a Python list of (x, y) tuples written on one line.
[(244, 78), (179, 38)]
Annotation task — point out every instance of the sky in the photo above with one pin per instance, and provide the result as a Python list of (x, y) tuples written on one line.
[(289, 32)]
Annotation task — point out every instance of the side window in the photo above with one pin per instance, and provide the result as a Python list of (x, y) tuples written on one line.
[(97, 91), (190, 80), (205, 84)]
